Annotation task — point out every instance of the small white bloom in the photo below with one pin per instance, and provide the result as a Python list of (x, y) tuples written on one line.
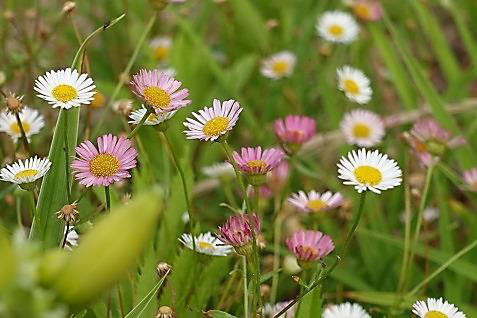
[(26, 171), (345, 310), (354, 84), (369, 170), (212, 122), (185, 217), (337, 26), (65, 88), (71, 239), (161, 46), (270, 310), (32, 122), (207, 244), (152, 119), (362, 128), (218, 170), (436, 308), (314, 202), (278, 65)]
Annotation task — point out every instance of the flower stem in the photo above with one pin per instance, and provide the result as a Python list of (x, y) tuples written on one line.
[(22, 131), (245, 286), (276, 255), (355, 225), (33, 204), (108, 198), (141, 123), (66, 234), (67, 154)]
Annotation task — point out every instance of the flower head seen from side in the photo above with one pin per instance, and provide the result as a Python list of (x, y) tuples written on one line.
[(212, 122), (436, 308), (362, 128), (65, 88), (278, 65), (161, 47), (369, 170), (207, 244), (152, 120), (108, 163), (255, 163), (271, 310), (25, 172), (470, 178), (32, 122), (337, 27), (354, 84), (367, 10), (219, 170), (294, 131), (345, 310), (315, 202), (309, 246), (159, 91), (238, 232)]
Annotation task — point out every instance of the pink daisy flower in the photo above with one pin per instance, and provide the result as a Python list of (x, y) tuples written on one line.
[(278, 177), (470, 177), (255, 163), (106, 164), (159, 91), (310, 245), (237, 231), (315, 202), (295, 130), (367, 10)]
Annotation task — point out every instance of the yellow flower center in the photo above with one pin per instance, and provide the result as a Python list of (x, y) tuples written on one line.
[(368, 175), (280, 67), (362, 11), (260, 164), (64, 93), (435, 314), (336, 30), (316, 205), (14, 128), (205, 245), (216, 126), (161, 53), (104, 165), (98, 100), (310, 249), (26, 173), (350, 86), (361, 130), (151, 118), (157, 97)]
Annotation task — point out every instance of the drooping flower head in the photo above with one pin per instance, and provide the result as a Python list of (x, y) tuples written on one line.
[(278, 65), (219, 170), (362, 128), (294, 131), (159, 91), (354, 84), (345, 310), (237, 231), (337, 26), (108, 163), (369, 170), (152, 119), (271, 310), (436, 308), (470, 177), (212, 122), (25, 172), (65, 88), (254, 162), (310, 246), (161, 47), (207, 244), (315, 202), (367, 10), (32, 122)]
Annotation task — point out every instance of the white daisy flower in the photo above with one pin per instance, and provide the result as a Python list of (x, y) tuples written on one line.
[(212, 122), (369, 170), (25, 172), (65, 88), (362, 128), (71, 239), (161, 47), (278, 65), (270, 310), (436, 308), (207, 244), (152, 119), (337, 26), (314, 202), (345, 310), (354, 84), (32, 122), (219, 170)]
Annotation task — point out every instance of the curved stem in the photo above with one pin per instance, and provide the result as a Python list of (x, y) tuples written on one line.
[(140, 124), (23, 134), (355, 224)]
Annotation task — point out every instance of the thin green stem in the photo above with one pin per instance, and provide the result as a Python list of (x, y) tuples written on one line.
[(258, 294), (407, 236), (67, 155), (276, 255), (120, 298), (19, 212), (33, 204), (141, 123), (357, 218), (245, 286), (23, 134), (66, 234), (108, 198)]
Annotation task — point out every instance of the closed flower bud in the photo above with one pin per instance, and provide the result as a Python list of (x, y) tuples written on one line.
[(163, 268), (69, 6)]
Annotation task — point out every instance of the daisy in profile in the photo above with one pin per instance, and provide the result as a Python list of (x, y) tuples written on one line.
[(345, 310), (159, 90), (219, 170), (369, 170), (470, 177), (278, 65), (108, 163), (294, 131), (315, 202), (207, 244), (152, 119), (255, 163), (436, 308), (238, 232), (65, 88), (25, 172), (212, 122), (354, 84), (271, 310), (161, 47), (362, 128), (337, 26), (309, 246), (32, 122)]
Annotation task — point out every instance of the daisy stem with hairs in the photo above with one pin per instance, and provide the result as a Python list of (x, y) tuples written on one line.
[(22, 131), (245, 286), (357, 218), (141, 122)]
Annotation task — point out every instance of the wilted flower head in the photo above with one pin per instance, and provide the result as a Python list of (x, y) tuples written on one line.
[(470, 177), (165, 312), (278, 65), (255, 163), (310, 245), (14, 103), (367, 10), (237, 231), (163, 268), (293, 131), (68, 213)]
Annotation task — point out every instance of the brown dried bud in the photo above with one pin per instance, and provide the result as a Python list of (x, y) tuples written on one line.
[(165, 312), (69, 6), (14, 103), (123, 107), (68, 213), (163, 268)]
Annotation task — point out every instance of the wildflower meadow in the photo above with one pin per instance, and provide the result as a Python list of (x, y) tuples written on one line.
[(238, 158)]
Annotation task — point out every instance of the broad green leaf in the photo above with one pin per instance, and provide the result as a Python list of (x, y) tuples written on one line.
[(8, 268), (380, 298)]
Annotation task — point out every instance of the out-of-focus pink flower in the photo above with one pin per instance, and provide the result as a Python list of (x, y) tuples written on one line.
[(470, 177), (237, 231), (255, 163), (293, 131), (264, 192), (367, 10), (310, 245), (278, 177)]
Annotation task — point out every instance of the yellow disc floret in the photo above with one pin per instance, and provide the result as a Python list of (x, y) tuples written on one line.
[(336, 30), (216, 126), (64, 93), (350, 86), (205, 245), (316, 205), (26, 174), (435, 314), (257, 164), (368, 175), (15, 128), (157, 97), (361, 130), (280, 67), (104, 165)]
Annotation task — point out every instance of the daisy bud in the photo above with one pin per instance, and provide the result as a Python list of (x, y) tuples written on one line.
[(309, 246), (237, 231), (165, 312), (14, 103), (68, 213), (69, 6), (162, 269)]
